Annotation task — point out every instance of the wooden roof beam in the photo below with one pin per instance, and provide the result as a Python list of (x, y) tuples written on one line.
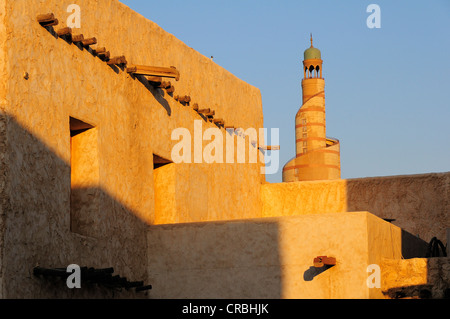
[(118, 60), (63, 32), (185, 99), (90, 41), (171, 72), (47, 19)]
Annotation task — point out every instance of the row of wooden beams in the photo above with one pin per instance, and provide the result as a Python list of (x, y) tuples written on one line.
[(67, 32), (102, 53), (171, 72), (79, 38), (209, 114), (157, 81), (48, 19)]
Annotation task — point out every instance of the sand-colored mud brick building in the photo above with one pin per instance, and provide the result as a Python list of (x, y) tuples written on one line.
[(88, 177)]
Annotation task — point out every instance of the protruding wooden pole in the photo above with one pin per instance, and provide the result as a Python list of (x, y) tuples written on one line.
[(104, 55), (77, 38), (117, 60), (185, 99), (46, 17), (90, 41), (207, 112), (100, 50), (155, 79), (171, 72), (204, 111), (170, 89), (64, 32)]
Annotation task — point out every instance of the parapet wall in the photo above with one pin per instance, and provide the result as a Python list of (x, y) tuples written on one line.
[(270, 257), (418, 203)]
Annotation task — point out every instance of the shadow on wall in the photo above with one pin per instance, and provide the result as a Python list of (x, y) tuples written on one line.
[(158, 94), (423, 278), (312, 272), (37, 224), (414, 203), (232, 260)]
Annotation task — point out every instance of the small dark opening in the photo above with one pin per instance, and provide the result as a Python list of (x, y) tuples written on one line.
[(78, 126), (158, 161)]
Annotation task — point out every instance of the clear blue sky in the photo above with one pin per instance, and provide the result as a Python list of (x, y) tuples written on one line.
[(387, 90)]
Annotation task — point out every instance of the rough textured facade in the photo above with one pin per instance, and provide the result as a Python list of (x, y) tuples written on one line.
[(44, 173), (87, 177), (420, 204)]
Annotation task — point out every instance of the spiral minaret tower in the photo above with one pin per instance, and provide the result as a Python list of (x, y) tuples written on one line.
[(317, 156)]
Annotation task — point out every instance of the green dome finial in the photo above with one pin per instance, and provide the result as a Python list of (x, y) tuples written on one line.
[(312, 52)]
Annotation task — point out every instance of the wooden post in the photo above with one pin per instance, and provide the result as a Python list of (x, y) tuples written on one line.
[(185, 99), (170, 89), (171, 72), (90, 41), (204, 111), (321, 261), (100, 50), (102, 53), (77, 38), (165, 84), (105, 55), (117, 60), (47, 19), (64, 32), (155, 79)]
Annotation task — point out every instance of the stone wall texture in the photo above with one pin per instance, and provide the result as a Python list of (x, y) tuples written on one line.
[(190, 230), (270, 257), (420, 204), (409, 276), (132, 121)]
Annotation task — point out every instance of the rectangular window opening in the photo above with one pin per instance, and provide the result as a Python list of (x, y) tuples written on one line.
[(84, 177), (164, 185)]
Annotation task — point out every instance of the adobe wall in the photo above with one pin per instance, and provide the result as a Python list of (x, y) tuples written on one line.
[(133, 121), (418, 203), (270, 257), (3, 140), (408, 278)]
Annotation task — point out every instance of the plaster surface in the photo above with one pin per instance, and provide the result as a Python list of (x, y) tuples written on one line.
[(270, 257), (418, 203)]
